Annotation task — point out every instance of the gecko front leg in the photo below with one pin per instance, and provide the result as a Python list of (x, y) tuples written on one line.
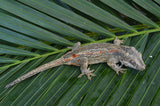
[(84, 69), (112, 63)]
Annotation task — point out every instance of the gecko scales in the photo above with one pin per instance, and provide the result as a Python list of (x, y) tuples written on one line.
[(91, 54)]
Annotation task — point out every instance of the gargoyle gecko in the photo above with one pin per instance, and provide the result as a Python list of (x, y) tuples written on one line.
[(91, 54)]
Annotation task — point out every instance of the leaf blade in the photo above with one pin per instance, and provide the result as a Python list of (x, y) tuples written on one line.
[(31, 30), (16, 38), (127, 10), (4, 49), (65, 15), (98, 13), (41, 19)]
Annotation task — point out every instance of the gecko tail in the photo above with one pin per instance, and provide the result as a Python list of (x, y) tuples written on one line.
[(39, 69)]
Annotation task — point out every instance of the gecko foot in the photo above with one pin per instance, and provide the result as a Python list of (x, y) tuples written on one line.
[(118, 42), (88, 73), (121, 70)]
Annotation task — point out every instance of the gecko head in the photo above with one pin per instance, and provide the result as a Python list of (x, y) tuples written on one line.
[(133, 59)]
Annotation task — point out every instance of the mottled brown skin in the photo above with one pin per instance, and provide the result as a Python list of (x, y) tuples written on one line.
[(91, 54)]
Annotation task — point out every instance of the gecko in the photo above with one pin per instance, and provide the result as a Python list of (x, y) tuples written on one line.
[(110, 53)]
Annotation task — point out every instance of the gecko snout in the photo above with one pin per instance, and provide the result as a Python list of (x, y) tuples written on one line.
[(142, 68)]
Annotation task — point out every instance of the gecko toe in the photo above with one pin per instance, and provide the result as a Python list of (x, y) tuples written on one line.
[(121, 70), (117, 72), (88, 73), (92, 71), (88, 76), (80, 75)]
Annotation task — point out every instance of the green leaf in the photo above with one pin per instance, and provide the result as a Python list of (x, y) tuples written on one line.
[(31, 30), (155, 101), (98, 13), (16, 38), (15, 51), (157, 1), (41, 19), (150, 6), (129, 11), (7, 60), (66, 15)]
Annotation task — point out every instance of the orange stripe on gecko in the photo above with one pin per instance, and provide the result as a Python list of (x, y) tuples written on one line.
[(67, 59), (74, 55), (70, 58), (58, 62), (110, 51), (100, 51)]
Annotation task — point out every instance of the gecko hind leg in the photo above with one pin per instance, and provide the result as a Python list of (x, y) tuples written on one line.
[(76, 46), (118, 42), (84, 70)]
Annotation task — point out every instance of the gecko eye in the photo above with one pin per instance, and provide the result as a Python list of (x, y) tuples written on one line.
[(132, 62)]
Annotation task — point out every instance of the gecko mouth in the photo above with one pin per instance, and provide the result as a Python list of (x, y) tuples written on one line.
[(141, 68)]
